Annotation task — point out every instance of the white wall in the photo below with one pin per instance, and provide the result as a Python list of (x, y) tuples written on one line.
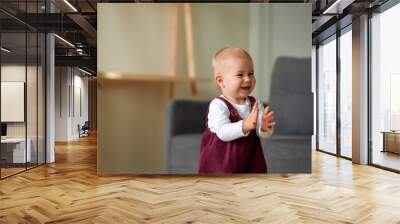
[(130, 52), (17, 73), (68, 83), (14, 73), (61, 103), (80, 103), (277, 30), (216, 26)]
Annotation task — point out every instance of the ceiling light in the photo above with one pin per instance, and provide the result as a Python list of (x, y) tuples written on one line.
[(70, 5), (5, 50), (65, 41), (338, 6), (329, 9), (84, 71)]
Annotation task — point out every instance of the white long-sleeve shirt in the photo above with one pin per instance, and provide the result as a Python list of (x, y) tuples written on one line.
[(219, 123)]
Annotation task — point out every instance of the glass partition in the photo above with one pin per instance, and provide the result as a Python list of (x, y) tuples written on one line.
[(41, 107), (14, 154), (32, 95), (22, 88), (327, 95)]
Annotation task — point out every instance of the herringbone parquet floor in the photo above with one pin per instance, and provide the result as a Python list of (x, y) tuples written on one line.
[(69, 191)]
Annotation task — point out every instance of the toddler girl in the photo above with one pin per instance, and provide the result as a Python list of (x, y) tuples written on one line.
[(235, 120)]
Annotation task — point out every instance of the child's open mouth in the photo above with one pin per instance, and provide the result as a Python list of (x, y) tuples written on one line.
[(246, 88)]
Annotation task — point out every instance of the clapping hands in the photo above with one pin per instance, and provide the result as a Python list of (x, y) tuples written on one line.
[(267, 120), (251, 121)]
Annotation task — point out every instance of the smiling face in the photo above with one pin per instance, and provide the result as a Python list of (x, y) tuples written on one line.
[(234, 75)]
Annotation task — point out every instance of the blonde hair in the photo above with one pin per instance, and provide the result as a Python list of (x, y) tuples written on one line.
[(225, 52)]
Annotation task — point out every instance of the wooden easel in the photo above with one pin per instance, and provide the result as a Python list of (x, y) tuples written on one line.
[(189, 47), (171, 77)]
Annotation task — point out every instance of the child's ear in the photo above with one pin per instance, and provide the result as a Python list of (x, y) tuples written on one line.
[(219, 80)]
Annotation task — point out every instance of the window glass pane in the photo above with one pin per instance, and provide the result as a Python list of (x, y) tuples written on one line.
[(31, 100), (327, 96), (41, 97), (385, 87), (346, 94), (314, 77)]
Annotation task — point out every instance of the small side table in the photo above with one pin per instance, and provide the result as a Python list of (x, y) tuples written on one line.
[(391, 141)]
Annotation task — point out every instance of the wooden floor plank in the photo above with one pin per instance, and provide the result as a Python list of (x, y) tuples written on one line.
[(70, 191)]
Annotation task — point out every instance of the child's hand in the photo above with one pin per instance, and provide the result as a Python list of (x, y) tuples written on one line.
[(250, 122), (267, 120)]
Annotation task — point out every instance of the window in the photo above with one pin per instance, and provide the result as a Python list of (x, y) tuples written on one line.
[(346, 92), (327, 95), (385, 88)]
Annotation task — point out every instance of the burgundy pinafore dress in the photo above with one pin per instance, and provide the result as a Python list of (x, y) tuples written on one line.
[(242, 155)]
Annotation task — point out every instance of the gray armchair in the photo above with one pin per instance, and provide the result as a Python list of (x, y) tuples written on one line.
[(185, 123), (288, 150)]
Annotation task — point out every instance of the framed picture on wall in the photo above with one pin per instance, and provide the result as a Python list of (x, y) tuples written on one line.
[(12, 101)]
